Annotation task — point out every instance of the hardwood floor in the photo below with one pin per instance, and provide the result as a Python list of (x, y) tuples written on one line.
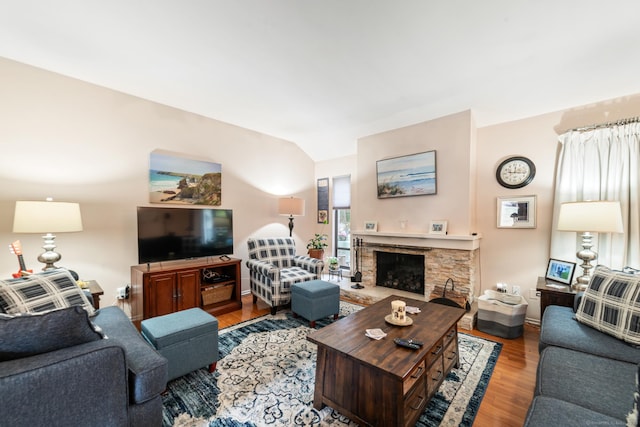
[(511, 386)]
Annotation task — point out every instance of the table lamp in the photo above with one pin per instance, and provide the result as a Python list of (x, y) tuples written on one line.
[(589, 217), (47, 217), (292, 206)]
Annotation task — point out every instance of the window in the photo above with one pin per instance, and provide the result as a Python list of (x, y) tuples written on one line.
[(342, 220)]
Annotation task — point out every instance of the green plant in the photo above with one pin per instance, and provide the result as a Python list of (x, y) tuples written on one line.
[(333, 262), (318, 241)]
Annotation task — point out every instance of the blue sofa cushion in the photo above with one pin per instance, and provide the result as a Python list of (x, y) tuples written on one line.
[(560, 328), (548, 411), (30, 334), (598, 383), (44, 291), (611, 304)]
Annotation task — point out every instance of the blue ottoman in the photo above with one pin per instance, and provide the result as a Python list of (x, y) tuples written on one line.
[(188, 339), (314, 300)]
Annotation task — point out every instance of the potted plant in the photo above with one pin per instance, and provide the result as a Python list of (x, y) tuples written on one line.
[(316, 245), (333, 262)]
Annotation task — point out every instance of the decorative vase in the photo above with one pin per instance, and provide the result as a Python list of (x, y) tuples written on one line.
[(316, 253)]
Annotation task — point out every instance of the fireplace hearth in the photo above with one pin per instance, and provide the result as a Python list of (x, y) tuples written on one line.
[(400, 271)]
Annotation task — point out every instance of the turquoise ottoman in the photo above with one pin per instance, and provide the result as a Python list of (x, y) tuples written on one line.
[(314, 300), (188, 339)]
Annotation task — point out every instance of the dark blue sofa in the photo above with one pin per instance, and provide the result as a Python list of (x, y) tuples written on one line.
[(116, 381), (584, 377)]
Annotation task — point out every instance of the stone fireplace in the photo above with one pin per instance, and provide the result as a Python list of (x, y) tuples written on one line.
[(443, 257)]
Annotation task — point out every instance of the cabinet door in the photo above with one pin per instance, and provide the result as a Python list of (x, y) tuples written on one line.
[(160, 294), (188, 289)]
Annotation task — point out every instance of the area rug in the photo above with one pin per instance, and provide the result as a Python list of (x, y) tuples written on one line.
[(265, 377)]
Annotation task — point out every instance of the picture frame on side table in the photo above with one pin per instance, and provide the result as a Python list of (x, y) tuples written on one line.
[(560, 271), (370, 226), (516, 212), (438, 227)]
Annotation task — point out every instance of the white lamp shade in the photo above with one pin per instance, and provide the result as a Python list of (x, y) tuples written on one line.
[(291, 206), (47, 217), (592, 216)]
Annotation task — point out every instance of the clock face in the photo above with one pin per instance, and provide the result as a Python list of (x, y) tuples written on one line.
[(515, 172)]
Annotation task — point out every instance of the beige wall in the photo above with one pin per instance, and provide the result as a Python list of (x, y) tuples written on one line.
[(74, 141)]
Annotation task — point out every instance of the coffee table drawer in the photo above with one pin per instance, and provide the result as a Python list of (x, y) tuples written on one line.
[(451, 334), (450, 355), (415, 402), (417, 374), (435, 375), (434, 353)]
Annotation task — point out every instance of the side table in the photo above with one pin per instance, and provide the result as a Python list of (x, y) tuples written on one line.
[(96, 291), (554, 293), (337, 273)]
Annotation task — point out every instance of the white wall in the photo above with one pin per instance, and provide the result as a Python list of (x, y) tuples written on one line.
[(77, 142)]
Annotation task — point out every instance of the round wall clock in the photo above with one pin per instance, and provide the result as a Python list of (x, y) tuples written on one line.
[(515, 172)]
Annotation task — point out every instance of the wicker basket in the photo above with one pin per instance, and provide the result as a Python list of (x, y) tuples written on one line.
[(214, 294)]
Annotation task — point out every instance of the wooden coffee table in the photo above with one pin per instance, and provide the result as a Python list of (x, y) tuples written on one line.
[(376, 382)]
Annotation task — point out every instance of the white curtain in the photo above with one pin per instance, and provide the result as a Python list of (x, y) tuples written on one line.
[(600, 164)]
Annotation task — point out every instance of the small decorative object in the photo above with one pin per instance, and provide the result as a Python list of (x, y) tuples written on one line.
[(515, 172), (412, 175), (560, 271), (316, 245), (398, 314), (517, 212), (371, 226), (438, 227), (398, 311), (333, 263)]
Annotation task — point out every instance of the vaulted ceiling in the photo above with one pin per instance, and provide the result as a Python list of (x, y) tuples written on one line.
[(323, 73)]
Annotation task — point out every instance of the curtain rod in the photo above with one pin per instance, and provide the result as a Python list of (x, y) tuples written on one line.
[(606, 125)]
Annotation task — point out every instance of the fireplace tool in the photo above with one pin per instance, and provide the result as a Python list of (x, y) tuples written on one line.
[(357, 276), (446, 301)]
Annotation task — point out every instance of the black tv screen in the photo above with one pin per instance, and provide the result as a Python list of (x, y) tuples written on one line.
[(180, 233)]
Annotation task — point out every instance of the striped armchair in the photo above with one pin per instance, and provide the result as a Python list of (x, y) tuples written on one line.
[(274, 267)]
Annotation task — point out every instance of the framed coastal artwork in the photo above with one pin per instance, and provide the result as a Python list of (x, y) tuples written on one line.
[(182, 180), (412, 175)]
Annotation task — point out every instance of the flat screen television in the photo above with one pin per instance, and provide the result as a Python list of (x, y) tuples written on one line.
[(181, 233)]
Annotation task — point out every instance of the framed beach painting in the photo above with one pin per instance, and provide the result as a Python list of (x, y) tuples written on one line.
[(181, 180), (412, 175)]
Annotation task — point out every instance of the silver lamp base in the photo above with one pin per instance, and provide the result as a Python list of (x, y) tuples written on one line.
[(49, 256), (586, 255)]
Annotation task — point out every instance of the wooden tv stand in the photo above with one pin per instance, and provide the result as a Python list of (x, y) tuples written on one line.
[(166, 287)]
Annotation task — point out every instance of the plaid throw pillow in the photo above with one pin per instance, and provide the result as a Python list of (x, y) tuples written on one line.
[(40, 292), (611, 304)]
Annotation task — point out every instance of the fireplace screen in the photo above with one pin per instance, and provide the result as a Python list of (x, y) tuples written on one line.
[(400, 271)]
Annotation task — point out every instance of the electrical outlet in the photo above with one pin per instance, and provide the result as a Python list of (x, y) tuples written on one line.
[(515, 290), (123, 292)]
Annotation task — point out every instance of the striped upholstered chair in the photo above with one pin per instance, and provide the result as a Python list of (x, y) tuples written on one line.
[(274, 267)]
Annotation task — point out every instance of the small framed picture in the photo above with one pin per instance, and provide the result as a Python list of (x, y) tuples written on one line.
[(438, 227), (370, 226), (560, 271), (517, 212)]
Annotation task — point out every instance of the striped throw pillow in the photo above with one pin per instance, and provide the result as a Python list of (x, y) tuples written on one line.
[(40, 292), (611, 304)]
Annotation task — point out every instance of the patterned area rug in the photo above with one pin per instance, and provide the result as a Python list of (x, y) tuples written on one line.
[(266, 373)]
